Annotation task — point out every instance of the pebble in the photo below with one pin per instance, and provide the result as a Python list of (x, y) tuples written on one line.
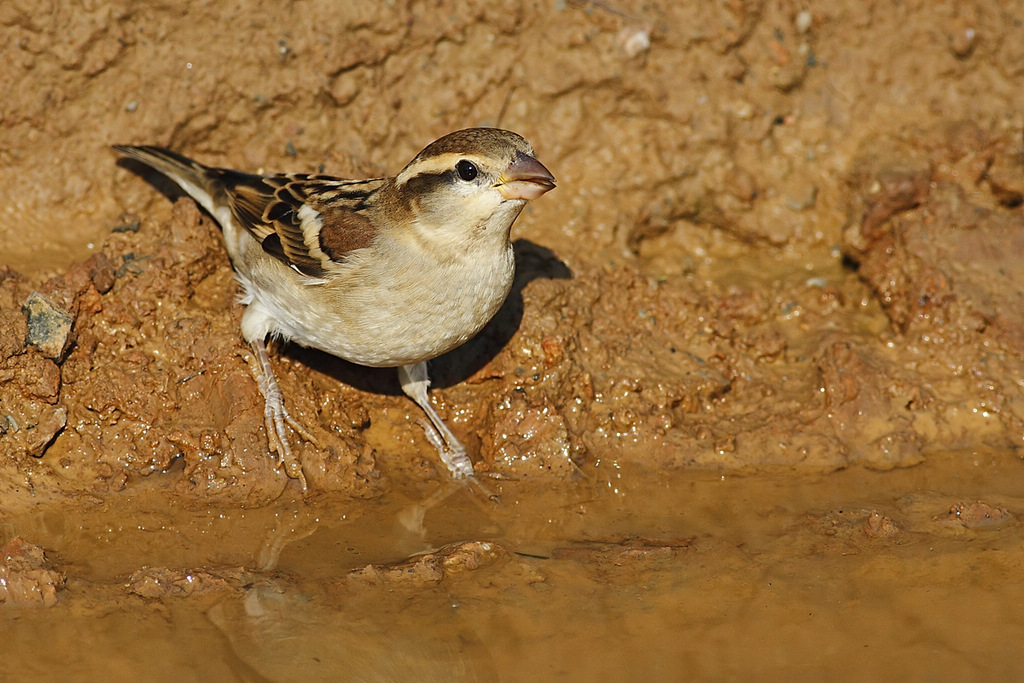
[(49, 328)]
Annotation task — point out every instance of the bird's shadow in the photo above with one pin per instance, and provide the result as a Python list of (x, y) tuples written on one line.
[(160, 182), (532, 262)]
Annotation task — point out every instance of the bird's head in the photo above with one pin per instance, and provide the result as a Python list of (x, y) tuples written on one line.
[(473, 181)]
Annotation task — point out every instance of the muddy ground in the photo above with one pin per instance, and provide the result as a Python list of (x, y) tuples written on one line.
[(754, 406)]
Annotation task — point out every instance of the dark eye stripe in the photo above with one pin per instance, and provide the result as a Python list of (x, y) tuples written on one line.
[(429, 182)]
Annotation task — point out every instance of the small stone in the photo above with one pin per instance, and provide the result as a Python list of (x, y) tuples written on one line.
[(635, 40), (127, 222), (43, 434), (878, 525), (962, 36), (49, 328), (804, 20), (101, 272)]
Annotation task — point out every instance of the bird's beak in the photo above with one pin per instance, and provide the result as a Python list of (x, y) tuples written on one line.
[(525, 178)]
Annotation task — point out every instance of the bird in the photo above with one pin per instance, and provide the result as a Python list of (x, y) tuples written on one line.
[(382, 272)]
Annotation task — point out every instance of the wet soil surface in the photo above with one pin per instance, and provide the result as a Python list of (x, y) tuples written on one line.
[(754, 405)]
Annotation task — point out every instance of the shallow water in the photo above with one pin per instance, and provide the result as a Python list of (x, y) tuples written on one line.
[(676, 575)]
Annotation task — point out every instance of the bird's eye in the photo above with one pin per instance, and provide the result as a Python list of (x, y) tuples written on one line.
[(466, 169)]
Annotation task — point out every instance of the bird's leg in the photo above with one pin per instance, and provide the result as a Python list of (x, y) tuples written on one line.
[(437, 442), (276, 415), (414, 380)]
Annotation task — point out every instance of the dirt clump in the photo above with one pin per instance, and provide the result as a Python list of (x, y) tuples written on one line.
[(26, 578)]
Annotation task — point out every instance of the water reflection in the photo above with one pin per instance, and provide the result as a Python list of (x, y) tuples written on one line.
[(692, 575)]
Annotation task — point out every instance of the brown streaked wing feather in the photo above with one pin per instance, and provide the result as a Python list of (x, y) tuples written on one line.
[(344, 231), (268, 207), (248, 196)]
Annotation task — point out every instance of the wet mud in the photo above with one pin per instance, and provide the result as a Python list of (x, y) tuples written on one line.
[(754, 405)]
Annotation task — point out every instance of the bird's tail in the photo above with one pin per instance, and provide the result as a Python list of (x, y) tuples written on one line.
[(197, 180)]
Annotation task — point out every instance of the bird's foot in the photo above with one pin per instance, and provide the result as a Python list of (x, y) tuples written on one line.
[(277, 417), (414, 381), (454, 456)]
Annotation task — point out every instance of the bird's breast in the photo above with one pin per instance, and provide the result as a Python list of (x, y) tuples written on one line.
[(389, 308)]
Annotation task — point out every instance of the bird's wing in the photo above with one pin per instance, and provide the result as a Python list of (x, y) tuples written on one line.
[(311, 223)]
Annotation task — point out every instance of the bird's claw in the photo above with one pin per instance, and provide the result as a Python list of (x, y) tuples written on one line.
[(456, 460), (277, 418)]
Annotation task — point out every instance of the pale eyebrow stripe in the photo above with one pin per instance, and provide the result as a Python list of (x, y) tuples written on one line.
[(437, 165)]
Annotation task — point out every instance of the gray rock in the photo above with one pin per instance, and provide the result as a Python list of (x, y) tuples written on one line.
[(49, 327)]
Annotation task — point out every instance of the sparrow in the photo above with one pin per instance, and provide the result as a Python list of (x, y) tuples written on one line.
[(385, 272)]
